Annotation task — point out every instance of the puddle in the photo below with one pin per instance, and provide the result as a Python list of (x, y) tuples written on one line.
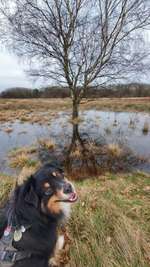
[(112, 127)]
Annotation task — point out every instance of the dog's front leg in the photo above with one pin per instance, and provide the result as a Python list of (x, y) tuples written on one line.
[(55, 260)]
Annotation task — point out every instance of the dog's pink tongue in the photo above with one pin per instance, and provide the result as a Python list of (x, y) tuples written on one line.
[(73, 197)]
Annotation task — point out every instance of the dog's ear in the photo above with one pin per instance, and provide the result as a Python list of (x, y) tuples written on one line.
[(31, 196)]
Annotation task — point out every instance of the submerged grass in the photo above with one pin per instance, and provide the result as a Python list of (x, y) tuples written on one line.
[(47, 144), (145, 129), (114, 150)]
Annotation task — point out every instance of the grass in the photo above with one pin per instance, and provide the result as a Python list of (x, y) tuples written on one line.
[(132, 124), (19, 150), (8, 130), (31, 110), (109, 226), (114, 150), (99, 158), (145, 129), (6, 185), (108, 130), (76, 120), (34, 111), (23, 157), (47, 144), (22, 160), (25, 173)]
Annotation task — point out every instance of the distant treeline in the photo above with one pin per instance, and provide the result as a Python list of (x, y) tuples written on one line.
[(120, 90)]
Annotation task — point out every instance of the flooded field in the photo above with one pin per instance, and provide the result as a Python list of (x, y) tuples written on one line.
[(129, 129)]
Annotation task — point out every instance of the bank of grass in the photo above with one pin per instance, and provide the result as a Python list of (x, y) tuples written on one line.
[(35, 111), (31, 110), (110, 223)]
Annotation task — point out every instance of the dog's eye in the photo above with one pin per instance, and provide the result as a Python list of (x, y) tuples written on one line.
[(48, 192), (58, 174), (47, 189)]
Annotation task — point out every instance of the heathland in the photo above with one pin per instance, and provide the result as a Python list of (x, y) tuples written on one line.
[(110, 224)]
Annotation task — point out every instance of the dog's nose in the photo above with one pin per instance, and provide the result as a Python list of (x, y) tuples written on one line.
[(68, 188)]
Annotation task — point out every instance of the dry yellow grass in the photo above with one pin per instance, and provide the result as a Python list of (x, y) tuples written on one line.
[(33, 110), (23, 150), (109, 225), (76, 153), (47, 144), (19, 161), (114, 150), (25, 173), (22, 159), (6, 185), (76, 120)]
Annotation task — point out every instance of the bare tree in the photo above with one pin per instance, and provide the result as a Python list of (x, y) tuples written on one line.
[(78, 42)]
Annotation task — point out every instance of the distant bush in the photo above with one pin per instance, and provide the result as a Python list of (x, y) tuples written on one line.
[(55, 92), (119, 90), (18, 92)]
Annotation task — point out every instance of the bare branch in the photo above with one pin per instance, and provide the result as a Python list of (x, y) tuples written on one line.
[(80, 42)]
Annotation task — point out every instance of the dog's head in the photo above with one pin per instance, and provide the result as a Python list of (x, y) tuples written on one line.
[(50, 191)]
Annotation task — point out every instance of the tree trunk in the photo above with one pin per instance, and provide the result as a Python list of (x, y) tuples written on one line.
[(75, 117), (75, 109), (88, 158)]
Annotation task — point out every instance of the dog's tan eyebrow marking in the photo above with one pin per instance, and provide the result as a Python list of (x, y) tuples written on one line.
[(46, 185), (54, 174)]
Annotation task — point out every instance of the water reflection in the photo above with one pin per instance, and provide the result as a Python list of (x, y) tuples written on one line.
[(111, 127)]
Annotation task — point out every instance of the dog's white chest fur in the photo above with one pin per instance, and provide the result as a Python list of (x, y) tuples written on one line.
[(66, 208)]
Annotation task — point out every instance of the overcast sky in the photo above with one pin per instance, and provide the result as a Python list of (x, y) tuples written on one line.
[(12, 72)]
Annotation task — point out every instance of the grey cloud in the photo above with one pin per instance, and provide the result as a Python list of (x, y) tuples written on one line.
[(11, 72)]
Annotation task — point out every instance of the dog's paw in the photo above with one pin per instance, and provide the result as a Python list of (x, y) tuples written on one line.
[(53, 262)]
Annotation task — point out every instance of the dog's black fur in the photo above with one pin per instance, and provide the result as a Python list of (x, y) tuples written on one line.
[(41, 223)]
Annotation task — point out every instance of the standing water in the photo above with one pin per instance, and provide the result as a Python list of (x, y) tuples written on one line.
[(129, 129)]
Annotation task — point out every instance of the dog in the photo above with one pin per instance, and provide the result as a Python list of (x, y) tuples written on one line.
[(36, 210)]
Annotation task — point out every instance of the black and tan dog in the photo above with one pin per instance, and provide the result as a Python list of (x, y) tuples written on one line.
[(38, 207)]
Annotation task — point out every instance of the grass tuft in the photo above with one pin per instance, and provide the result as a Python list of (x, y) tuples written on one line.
[(8, 130), (23, 150), (145, 129), (22, 160), (114, 150), (47, 144)]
